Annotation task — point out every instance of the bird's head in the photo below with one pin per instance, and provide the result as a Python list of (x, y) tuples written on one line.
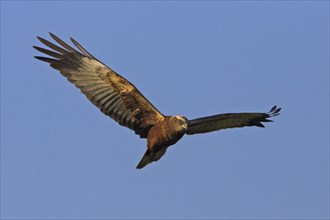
[(180, 123)]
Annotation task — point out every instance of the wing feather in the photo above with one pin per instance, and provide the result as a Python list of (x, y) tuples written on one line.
[(230, 120), (81, 48), (111, 93)]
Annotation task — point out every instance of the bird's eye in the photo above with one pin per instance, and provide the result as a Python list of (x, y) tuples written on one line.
[(180, 122)]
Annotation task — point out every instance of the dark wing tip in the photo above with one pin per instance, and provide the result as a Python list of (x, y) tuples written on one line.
[(274, 111), (45, 59), (73, 40), (41, 39), (62, 43), (258, 124), (273, 108), (54, 36), (81, 48)]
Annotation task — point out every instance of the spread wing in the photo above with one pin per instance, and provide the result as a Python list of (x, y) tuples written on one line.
[(111, 93), (230, 120)]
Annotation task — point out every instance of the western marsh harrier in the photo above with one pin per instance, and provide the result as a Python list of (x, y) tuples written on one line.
[(116, 97)]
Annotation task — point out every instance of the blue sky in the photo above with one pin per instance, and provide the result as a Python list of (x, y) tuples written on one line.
[(62, 158)]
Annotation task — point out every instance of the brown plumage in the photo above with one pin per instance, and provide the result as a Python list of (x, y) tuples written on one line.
[(121, 100)]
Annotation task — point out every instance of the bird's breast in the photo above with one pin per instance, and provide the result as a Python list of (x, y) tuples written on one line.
[(162, 135)]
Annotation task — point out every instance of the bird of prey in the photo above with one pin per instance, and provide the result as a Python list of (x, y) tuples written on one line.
[(119, 99)]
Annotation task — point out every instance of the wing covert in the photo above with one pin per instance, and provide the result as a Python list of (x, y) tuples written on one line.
[(111, 93)]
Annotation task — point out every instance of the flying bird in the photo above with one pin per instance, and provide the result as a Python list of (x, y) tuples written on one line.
[(119, 99)]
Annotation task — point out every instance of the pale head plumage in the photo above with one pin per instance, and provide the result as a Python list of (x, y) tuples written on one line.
[(180, 122)]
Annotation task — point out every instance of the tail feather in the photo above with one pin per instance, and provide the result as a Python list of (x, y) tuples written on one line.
[(151, 156), (146, 159)]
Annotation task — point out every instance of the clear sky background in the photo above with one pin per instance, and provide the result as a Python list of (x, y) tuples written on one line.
[(62, 158)]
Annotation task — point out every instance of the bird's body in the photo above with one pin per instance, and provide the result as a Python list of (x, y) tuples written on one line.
[(162, 135), (116, 97), (166, 132)]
